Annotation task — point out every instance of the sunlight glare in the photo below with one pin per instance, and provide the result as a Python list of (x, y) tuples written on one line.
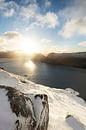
[(29, 46), (30, 65)]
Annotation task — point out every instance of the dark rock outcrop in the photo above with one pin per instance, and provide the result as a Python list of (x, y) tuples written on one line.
[(30, 111)]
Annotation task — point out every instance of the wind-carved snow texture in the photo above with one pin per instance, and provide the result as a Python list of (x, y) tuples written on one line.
[(74, 123), (18, 112), (65, 107)]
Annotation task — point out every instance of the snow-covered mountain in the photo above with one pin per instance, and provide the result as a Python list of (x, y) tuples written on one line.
[(66, 110)]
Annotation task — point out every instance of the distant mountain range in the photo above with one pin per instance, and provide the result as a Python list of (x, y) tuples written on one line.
[(77, 59), (70, 59)]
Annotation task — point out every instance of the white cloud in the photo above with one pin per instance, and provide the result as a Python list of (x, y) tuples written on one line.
[(69, 29), (50, 19), (11, 40), (2, 41), (45, 41), (26, 2), (47, 3), (75, 16), (26, 8), (83, 43), (74, 26), (82, 25), (10, 12), (48, 46), (2, 1), (8, 8), (12, 35), (29, 11), (76, 10)]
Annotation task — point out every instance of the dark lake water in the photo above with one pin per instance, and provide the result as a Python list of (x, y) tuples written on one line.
[(56, 76)]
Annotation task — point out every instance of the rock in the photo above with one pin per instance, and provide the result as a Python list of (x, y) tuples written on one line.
[(2, 68), (19, 111)]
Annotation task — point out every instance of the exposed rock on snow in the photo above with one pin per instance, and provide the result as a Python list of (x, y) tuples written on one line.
[(18, 111), (61, 104)]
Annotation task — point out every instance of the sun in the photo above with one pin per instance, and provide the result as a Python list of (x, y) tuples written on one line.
[(29, 46)]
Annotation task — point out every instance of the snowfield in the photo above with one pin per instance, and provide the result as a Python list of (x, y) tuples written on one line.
[(67, 111)]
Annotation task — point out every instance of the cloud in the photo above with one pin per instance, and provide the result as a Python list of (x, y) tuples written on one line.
[(69, 29), (47, 3), (50, 19), (2, 1), (29, 11), (83, 43), (11, 40), (32, 12), (26, 2), (45, 41), (10, 12), (2, 41), (76, 10), (74, 26), (82, 25), (25, 8), (12, 35), (48, 46), (75, 18), (8, 8)]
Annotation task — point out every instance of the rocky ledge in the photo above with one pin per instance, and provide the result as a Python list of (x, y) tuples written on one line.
[(19, 111)]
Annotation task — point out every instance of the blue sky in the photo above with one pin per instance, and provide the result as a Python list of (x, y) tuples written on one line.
[(43, 25)]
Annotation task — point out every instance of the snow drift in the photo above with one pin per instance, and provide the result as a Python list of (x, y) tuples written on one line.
[(66, 110)]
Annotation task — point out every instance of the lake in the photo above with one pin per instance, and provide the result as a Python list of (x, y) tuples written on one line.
[(57, 76)]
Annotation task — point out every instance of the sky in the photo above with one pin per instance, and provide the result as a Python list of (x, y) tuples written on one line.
[(43, 25)]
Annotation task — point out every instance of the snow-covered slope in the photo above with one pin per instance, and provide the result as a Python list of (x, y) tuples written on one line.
[(19, 111), (65, 107)]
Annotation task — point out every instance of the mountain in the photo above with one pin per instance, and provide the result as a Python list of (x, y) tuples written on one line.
[(39, 57), (25, 105), (7, 54), (70, 59), (14, 54), (19, 110)]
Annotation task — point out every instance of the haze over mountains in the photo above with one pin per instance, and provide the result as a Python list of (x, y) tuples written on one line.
[(72, 59), (77, 59)]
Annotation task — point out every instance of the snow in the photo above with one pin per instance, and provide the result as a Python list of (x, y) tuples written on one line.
[(38, 108), (61, 102), (6, 113), (75, 124)]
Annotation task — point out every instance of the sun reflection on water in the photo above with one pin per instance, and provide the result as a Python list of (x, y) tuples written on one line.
[(31, 66)]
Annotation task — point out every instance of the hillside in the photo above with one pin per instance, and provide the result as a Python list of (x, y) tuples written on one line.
[(70, 59), (67, 111)]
